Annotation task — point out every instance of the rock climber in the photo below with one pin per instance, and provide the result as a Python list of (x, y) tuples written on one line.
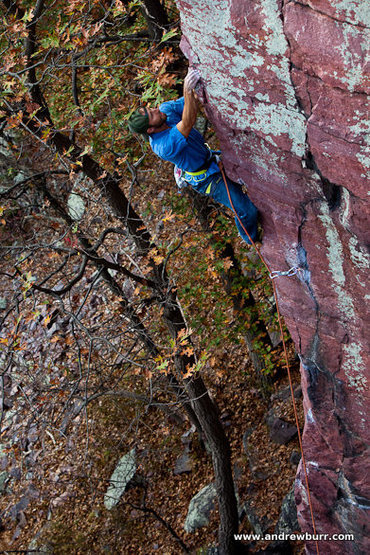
[(172, 136)]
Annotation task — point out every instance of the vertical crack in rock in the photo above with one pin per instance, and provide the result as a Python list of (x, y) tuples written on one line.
[(303, 261), (348, 492), (331, 191)]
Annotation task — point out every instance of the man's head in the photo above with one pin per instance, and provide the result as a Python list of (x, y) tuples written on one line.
[(139, 121), (147, 120)]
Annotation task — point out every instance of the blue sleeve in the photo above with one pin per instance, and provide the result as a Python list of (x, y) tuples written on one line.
[(173, 106), (179, 106), (174, 144)]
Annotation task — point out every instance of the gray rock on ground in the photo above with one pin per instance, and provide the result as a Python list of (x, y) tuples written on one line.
[(200, 508), (4, 477), (123, 473), (280, 430), (76, 206), (183, 464), (259, 525), (288, 520)]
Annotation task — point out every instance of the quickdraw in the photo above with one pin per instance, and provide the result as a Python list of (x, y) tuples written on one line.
[(291, 272)]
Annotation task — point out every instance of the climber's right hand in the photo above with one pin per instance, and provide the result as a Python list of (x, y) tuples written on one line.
[(191, 79)]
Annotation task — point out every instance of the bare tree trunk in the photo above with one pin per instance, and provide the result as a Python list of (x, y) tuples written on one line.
[(202, 405), (221, 459), (217, 441)]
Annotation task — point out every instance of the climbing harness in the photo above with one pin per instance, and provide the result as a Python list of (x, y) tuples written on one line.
[(198, 176), (183, 177), (273, 275)]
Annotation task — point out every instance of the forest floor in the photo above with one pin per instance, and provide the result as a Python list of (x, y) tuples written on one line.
[(59, 498), (71, 487)]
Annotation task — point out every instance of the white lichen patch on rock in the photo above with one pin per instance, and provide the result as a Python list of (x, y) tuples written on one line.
[(364, 156), (264, 158), (360, 257), (227, 62), (354, 366), (353, 60), (361, 130), (276, 43), (262, 97), (335, 257), (277, 120), (357, 11)]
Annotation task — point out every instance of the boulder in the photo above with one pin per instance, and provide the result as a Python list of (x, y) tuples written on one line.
[(37, 544), (76, 206), (123, 473), (259, 526), (280, 430), (288, 520), (183, 464), (200, 508), (295, 457)]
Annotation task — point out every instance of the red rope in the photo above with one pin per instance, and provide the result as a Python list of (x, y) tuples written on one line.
[(285, 353)]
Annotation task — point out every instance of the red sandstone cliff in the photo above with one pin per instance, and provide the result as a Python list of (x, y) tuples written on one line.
[(285, 86)]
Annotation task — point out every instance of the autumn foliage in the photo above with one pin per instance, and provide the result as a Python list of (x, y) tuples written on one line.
[(116, 301)]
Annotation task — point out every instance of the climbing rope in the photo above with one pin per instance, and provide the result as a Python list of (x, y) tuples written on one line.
[(273, 275)]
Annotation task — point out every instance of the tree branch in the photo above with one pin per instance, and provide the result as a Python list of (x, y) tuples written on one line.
[(168, 526), (120, 269), (74, 85), (32, 177), (36, 92), (13, 8), (135, 397)]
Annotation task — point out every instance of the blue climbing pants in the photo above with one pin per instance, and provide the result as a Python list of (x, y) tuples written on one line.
[(214, 186)]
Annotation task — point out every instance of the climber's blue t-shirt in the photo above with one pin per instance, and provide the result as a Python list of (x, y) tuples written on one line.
[(188, 154)]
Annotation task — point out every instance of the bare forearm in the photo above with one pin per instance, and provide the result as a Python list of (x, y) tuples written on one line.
[(189, 114)]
